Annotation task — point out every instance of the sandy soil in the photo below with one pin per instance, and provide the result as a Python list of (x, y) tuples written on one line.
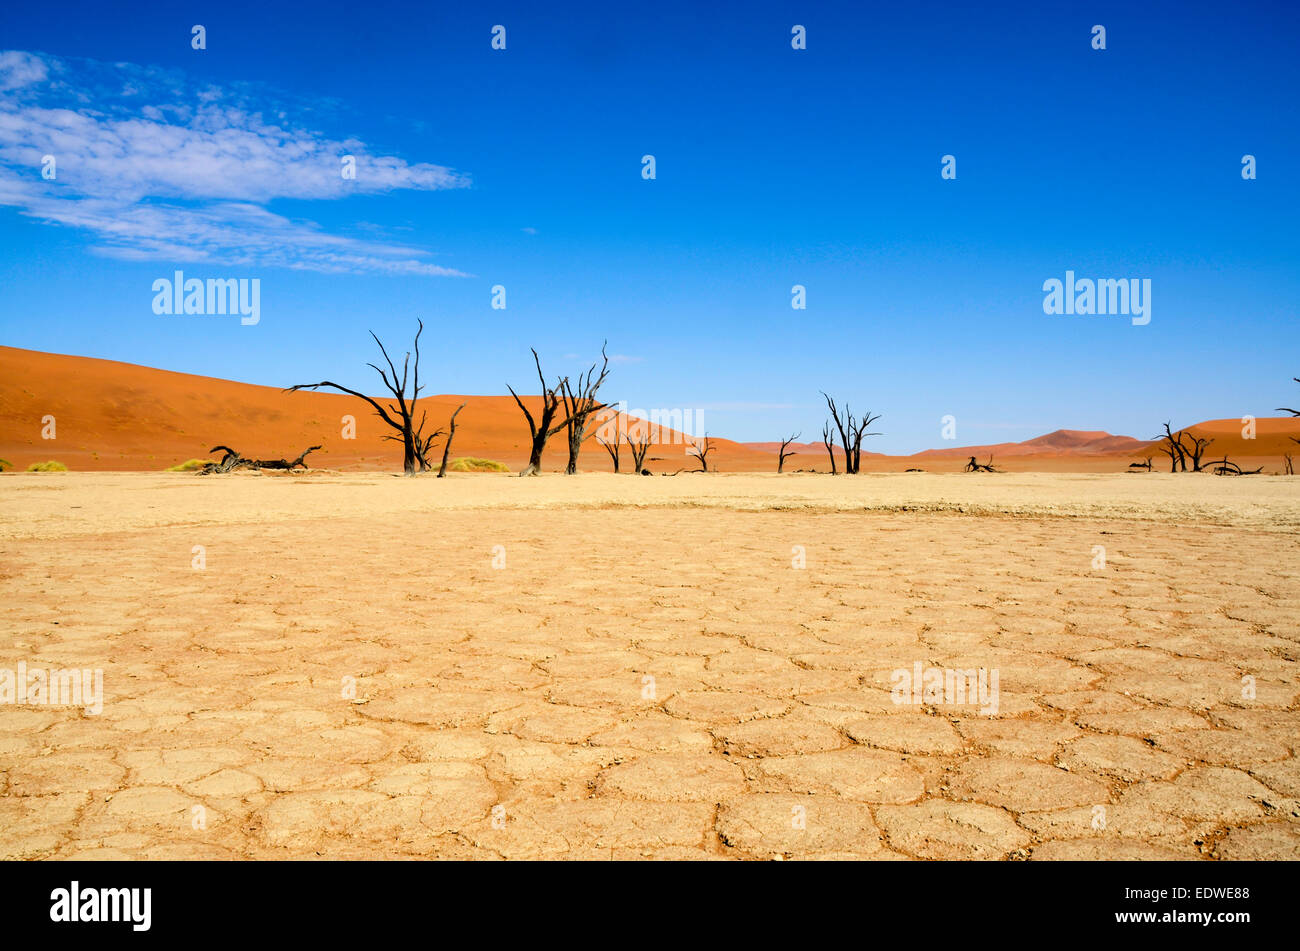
[(646, 672)]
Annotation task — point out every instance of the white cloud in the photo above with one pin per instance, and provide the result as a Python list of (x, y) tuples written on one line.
[(158, 168)]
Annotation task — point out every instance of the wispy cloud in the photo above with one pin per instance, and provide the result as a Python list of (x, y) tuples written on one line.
[(156, 167)]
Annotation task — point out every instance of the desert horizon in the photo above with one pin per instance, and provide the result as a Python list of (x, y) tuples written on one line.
[(124, 417), (611, 436)]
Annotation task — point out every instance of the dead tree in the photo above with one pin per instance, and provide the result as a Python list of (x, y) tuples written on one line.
[(975, 466), (1224, 467), (1141, 465), (780, 464), (544, 427), (1171, 446), (639, 449), (415, 445), (860, 430), (852, 432), (613, 449), (232, 460), (1293, 412), (844, 439), (701, 450), (1290, 466), (828, 440), (446, 449), (580, 402), (1195, 451)]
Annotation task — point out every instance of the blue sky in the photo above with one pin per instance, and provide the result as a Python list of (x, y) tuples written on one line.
[(775, 167)]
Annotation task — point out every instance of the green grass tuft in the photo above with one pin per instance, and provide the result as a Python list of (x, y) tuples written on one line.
[(188, 466), (50, 466)]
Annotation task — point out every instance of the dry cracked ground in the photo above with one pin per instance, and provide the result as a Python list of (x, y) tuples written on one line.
[(606, 667)]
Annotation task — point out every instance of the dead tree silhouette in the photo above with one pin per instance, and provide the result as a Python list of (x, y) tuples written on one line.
[(1293, 412), (1196, 450), (780, 464), (580, 402), (612, 448), (1224, 467), (975, 466), (233, 460), (544, 427), (701, 450), (828, 440), (1133, 466), (446, 449), (1171, 445), (415, 445), (639, 450), (852, 432)]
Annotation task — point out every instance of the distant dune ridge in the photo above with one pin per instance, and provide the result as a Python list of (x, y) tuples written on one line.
[(1062, 441), (119, 416)]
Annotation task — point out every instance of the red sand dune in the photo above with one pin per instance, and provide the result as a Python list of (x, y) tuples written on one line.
[(111, 415)]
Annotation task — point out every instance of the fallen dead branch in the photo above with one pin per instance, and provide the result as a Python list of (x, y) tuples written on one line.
[(1224, 467), (233, 460), (975, 466)]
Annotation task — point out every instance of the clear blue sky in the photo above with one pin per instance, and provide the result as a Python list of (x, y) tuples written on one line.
[(775, 167)]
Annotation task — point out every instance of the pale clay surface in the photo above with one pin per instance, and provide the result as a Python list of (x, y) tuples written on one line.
[(509, 712)]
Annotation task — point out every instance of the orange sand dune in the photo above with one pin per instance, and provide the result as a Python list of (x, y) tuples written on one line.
[(1273, 437), (111, 415)]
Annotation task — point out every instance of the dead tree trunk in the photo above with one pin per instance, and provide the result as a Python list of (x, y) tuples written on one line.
[(975, 466), (639, 450), (852, 431), (233, 460), (544, 427), (1224, 467), (859, 430), (1195, 451), (613, 448), (844, 439), (701, 452), (1172, 448), (780, 463), (415, 445), (580, 402), (446, 449), (828, 441)]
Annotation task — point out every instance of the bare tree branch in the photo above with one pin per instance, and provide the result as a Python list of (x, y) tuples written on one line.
[(780, 464)]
